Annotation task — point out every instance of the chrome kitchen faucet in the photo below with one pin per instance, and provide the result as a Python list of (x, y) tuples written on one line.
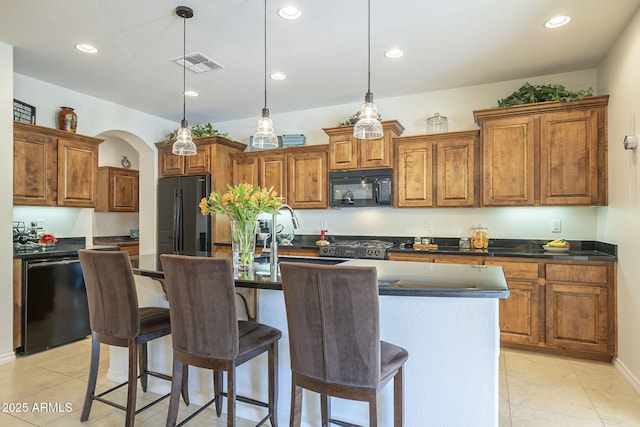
[(273, 256)]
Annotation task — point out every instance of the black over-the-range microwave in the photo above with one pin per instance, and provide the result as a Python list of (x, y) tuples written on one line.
[(360, 188)]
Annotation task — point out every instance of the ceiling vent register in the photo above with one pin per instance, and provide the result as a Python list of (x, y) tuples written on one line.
[(198, 63)]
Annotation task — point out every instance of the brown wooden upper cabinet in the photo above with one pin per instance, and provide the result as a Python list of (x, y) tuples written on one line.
[(211, 150), (53, 167), (298, 174), (349, 152), (549, 153), (435, 170), (265, 169), (117, 190)]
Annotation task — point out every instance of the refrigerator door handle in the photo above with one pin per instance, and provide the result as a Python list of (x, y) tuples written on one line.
[(174, 230), (179, 225)]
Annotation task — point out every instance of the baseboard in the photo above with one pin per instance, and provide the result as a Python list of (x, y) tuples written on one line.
[(627, 374), (7, 358)]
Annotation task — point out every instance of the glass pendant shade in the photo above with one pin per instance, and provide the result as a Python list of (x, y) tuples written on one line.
[(265, 137), (184, 145), (368, 127)]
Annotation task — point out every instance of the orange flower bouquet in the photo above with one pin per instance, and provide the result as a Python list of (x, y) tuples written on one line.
[(242, 204)]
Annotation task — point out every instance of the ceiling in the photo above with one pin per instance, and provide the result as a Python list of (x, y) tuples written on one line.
[(447, 44)]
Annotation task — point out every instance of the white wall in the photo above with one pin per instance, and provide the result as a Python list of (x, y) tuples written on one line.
[(618, 76), (111, 153), (6, 201), (412, 111), (96, 117), (105, 120)]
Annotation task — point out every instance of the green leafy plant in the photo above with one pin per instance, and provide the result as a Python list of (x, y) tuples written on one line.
[(530, 94), (198, 130), (353, 120)]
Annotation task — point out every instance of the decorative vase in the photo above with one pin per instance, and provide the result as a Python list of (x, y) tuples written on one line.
[(67, 119), (243, 243)]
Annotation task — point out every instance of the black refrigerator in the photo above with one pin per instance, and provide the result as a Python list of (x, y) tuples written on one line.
[(182, 229)]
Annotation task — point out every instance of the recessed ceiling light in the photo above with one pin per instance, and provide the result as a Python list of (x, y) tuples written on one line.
[(393, 53), (190, 93), (86, 48), (278, 76), (557, 21), (289, 12)]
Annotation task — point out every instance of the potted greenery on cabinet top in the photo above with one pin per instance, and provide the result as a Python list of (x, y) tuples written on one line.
[(530, 94), (196, 132)]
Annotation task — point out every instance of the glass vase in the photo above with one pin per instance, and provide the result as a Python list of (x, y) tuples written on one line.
[(243, 243)]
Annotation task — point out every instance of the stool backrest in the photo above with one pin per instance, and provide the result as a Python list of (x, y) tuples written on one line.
[(333, 318), (111, 293), (201, 294)]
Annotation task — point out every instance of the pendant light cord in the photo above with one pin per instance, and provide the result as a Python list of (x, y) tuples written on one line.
[(265, 53), (184, 68), (368, 46)]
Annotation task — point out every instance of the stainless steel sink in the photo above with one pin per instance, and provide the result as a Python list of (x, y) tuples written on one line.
[(311, 260), (261, 263)]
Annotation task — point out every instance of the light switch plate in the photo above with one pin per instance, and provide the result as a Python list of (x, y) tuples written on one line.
[(556, 226)]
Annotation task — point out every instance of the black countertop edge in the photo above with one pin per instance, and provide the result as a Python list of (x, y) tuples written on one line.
[(384, 290), (574, 255), (581, 250)]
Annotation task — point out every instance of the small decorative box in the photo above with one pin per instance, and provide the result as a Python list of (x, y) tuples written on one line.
[(293, 140)]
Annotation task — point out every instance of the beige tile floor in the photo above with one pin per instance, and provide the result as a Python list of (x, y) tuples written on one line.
[(535, 390), (541, 390)]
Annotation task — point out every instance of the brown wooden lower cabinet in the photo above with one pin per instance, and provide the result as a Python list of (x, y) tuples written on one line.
[(453, 259), (585, 292), (559, 307), (17, 303), (431, 257), (520, 313)]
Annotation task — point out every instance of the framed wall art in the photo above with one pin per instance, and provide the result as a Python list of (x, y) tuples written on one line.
[(23, 112)]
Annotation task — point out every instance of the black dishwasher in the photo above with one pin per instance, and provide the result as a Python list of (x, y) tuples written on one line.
[(55, 307)]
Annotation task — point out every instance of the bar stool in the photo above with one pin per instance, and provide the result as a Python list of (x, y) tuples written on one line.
[(208, 334), (334, 338), (116, 319)]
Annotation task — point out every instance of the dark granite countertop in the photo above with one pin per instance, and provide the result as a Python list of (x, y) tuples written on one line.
[(115, 241), (67, 246), (395, 278), (581, 250)]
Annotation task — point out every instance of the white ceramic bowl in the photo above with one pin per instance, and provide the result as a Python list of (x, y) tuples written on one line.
[(555, 248)]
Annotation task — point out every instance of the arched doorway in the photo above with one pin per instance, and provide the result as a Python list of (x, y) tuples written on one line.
[(143, 157)]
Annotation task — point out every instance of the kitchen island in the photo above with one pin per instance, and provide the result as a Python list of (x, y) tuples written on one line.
[(446, 316)]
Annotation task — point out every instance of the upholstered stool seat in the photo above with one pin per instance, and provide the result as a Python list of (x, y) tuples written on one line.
[(116, 319), (207, 333), (334, 339)]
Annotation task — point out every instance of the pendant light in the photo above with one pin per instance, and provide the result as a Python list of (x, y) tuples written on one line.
[(184, 145), (368, 127), (265, 137)]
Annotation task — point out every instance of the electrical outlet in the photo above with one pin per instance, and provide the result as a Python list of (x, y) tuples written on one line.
[(556, 226), (428, 225)]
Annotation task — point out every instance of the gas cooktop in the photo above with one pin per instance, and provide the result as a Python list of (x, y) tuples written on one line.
[(372, 249)]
